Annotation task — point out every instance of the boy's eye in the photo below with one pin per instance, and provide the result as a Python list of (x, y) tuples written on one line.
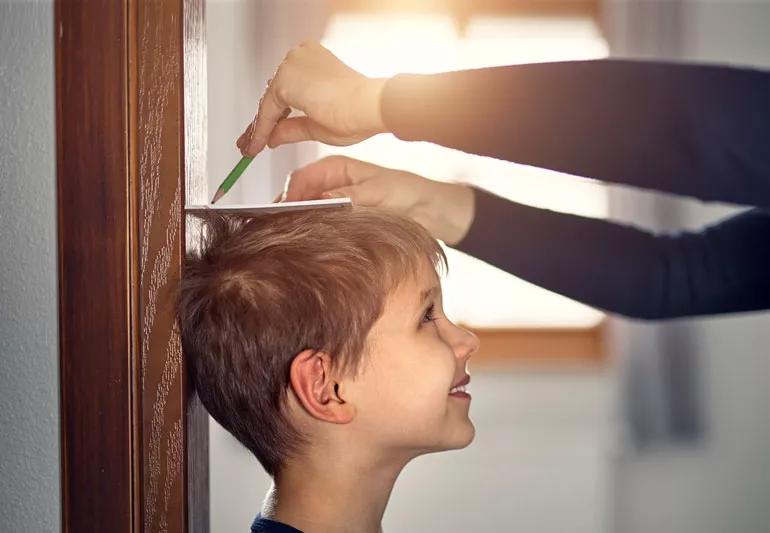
[(429, 315)]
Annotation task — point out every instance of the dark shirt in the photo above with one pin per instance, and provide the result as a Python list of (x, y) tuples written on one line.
[(265, 525), (694, 130)]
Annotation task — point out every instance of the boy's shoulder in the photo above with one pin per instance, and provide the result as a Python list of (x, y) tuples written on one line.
[(265, 525)]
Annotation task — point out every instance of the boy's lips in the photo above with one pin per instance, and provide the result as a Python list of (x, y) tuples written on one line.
[(459, 390), (463, 381)]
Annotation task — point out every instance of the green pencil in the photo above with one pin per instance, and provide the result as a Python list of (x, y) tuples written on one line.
[(231, 178)]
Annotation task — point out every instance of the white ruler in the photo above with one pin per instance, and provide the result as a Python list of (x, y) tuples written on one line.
[(259, 209)]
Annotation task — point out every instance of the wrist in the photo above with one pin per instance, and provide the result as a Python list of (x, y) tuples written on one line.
[(459, 211), (446, 210), (372, 105)]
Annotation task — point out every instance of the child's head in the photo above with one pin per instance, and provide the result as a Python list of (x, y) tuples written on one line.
[(324, 325)]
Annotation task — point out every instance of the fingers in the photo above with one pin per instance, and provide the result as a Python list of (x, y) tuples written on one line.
[(245, 137), (297, 129), (326, 174), (255, 138), (342, 192), (369, 194), (308, 182), (274, 105), (313, 81), (272, 110)]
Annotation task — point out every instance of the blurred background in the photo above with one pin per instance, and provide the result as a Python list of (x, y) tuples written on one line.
[(585, 423)]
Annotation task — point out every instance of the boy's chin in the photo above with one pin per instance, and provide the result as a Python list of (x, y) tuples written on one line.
[(468, 439), (461, 438), (463, 435)]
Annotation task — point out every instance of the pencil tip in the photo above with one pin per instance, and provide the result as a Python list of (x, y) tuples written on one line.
[(219, 194)]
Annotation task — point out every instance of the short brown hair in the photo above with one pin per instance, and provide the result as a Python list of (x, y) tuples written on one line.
[(258, 290)]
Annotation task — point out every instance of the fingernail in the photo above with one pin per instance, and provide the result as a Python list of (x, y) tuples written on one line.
[(285, 191), (245, 136), (255, 144), (332, 194), (248, 132)]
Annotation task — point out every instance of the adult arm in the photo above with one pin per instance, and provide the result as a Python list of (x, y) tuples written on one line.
[(695, 130), (720, 269)]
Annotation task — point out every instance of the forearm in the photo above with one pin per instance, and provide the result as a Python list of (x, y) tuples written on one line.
[(694, 130), (622, 269)]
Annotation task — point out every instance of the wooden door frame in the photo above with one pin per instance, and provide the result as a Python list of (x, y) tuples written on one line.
[(130, 114)]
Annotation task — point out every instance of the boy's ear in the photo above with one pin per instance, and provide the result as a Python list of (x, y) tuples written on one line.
[(313, 384)]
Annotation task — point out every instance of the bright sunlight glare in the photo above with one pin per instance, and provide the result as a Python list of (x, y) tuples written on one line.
[(379, 45)]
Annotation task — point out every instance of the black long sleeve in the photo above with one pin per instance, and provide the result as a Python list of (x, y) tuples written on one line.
[(723, 268), (700, 131), (694, 130)]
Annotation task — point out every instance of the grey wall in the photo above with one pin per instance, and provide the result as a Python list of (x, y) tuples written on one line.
[(721, 483), (29, 384), (246, 41)]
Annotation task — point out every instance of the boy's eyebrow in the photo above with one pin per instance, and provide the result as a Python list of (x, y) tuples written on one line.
[(427, 294)]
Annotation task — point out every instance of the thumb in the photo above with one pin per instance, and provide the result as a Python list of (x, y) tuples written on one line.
[(365, 194), (341, 192), (297, 129), (332, 172)]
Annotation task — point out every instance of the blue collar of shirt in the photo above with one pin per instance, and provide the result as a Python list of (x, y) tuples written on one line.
[(265, 525)]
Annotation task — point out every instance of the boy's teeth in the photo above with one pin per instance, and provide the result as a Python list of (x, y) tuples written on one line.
[(462, 388)]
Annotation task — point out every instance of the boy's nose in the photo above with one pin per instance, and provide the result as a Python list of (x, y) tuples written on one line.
[(465, 344)]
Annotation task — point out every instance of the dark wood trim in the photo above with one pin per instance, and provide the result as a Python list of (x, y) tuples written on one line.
[(548, 346), (134, 444), (94, 276)]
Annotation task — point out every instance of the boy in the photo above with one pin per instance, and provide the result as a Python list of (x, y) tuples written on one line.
[(318, 339)]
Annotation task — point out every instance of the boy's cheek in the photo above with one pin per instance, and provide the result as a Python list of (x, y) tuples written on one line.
[(405, 369)]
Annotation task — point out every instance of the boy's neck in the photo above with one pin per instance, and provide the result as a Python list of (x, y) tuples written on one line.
[(319, 496)]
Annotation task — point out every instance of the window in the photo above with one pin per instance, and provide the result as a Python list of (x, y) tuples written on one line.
[(476, 294)]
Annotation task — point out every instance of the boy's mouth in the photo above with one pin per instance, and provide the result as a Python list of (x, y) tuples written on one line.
[(460, 389)]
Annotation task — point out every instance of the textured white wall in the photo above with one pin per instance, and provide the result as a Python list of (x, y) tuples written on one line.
[(29, 385)]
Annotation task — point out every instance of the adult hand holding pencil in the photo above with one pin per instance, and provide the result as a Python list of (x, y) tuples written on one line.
[(340, 106), (303, 81)]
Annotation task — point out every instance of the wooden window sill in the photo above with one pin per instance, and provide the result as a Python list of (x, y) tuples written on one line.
[(547, 345)]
